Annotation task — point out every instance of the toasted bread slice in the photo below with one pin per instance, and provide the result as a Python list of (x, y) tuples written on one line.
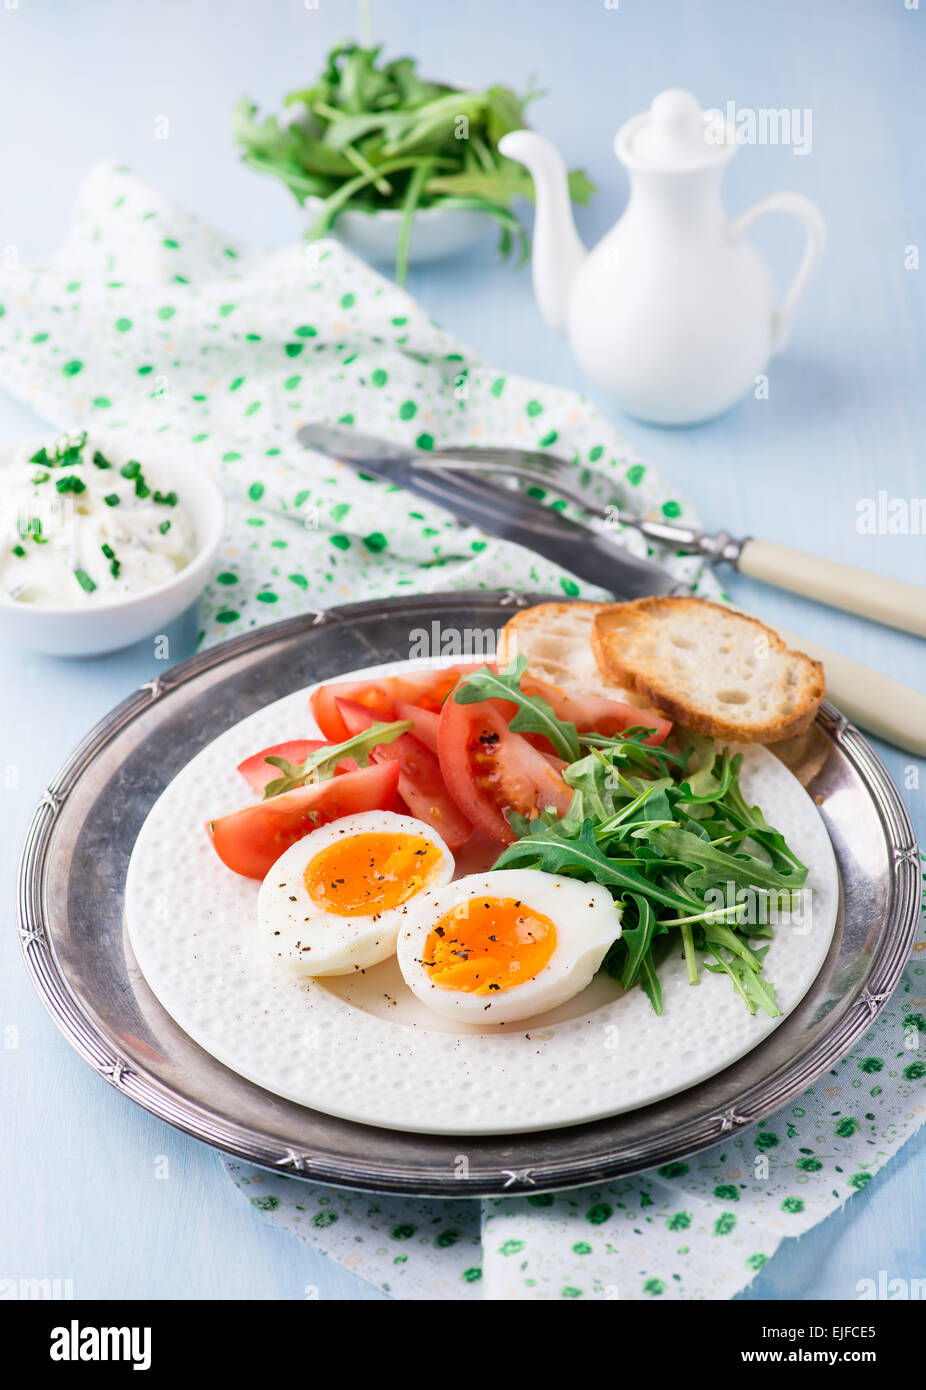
[(708, 667), (556, 639)]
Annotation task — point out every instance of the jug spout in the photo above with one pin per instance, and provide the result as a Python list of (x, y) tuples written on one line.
[(557, 251)]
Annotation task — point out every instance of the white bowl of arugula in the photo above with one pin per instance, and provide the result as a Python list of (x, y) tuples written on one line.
[(400, 168)]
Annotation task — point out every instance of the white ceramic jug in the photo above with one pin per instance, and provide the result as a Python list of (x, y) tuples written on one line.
[(673, 313)]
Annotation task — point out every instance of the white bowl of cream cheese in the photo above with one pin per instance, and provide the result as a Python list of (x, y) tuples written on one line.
[(100, 546)]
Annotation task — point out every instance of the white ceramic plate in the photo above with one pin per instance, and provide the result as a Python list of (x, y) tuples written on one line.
[(364, 1049)]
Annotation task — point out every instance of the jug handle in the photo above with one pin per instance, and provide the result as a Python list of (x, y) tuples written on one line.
[(815, 227)]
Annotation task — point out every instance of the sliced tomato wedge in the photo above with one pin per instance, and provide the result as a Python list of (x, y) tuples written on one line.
[(424, 720), (429, 689), (257, 772), (250, 841), (594, 712), (489, 770), (426, 689), (375, 697), (421, 785)]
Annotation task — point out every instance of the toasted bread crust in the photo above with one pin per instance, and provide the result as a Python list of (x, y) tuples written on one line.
[(637, 644)]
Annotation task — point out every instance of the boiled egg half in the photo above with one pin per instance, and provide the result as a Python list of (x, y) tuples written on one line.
[(334, 902), (504, 946)]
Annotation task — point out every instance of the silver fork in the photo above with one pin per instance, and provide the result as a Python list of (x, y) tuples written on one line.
[(867, 595), (558, 475)]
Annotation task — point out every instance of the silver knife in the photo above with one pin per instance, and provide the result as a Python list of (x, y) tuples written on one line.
[(893, 711), (500, 511)]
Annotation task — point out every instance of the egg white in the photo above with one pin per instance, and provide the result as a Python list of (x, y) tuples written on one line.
[(586, 918), (315, 942)]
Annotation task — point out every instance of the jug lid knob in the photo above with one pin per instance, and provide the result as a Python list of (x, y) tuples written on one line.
[(674, 134)]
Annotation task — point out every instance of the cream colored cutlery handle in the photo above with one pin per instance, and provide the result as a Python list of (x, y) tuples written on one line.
[(878, 704), (868, 595)]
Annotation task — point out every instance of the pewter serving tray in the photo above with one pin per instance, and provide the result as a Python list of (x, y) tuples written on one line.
[(72, 877)]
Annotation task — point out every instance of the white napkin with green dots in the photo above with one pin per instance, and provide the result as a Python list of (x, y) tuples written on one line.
[(150, 324)]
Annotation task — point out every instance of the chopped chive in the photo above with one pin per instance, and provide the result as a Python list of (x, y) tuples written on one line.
[(114, 569), (41, 457), (108, 552), (100, 461), (71, 484), (169, 499), (84, 580), (18, 550), (141, 488), (131, 469), (41, 477), (164, 527), (112, 499)]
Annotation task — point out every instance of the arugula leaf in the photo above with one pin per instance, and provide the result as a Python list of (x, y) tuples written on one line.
[(592, 778), (639, 939), (321, 764), (658, 812), (746, 870), (719, 935), (710, 783), (649, 982), (535, 715), (756, 992), (688, 950), (629, 750), (409, 204), (751, 819)]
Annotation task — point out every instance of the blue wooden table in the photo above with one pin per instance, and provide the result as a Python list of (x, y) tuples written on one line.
[(82, 1170)]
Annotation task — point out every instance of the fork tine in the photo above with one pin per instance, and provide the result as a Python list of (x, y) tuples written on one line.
[(550, 479)]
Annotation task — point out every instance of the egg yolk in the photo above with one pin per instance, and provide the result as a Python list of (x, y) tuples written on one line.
[(485, 945), (362, 875)]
